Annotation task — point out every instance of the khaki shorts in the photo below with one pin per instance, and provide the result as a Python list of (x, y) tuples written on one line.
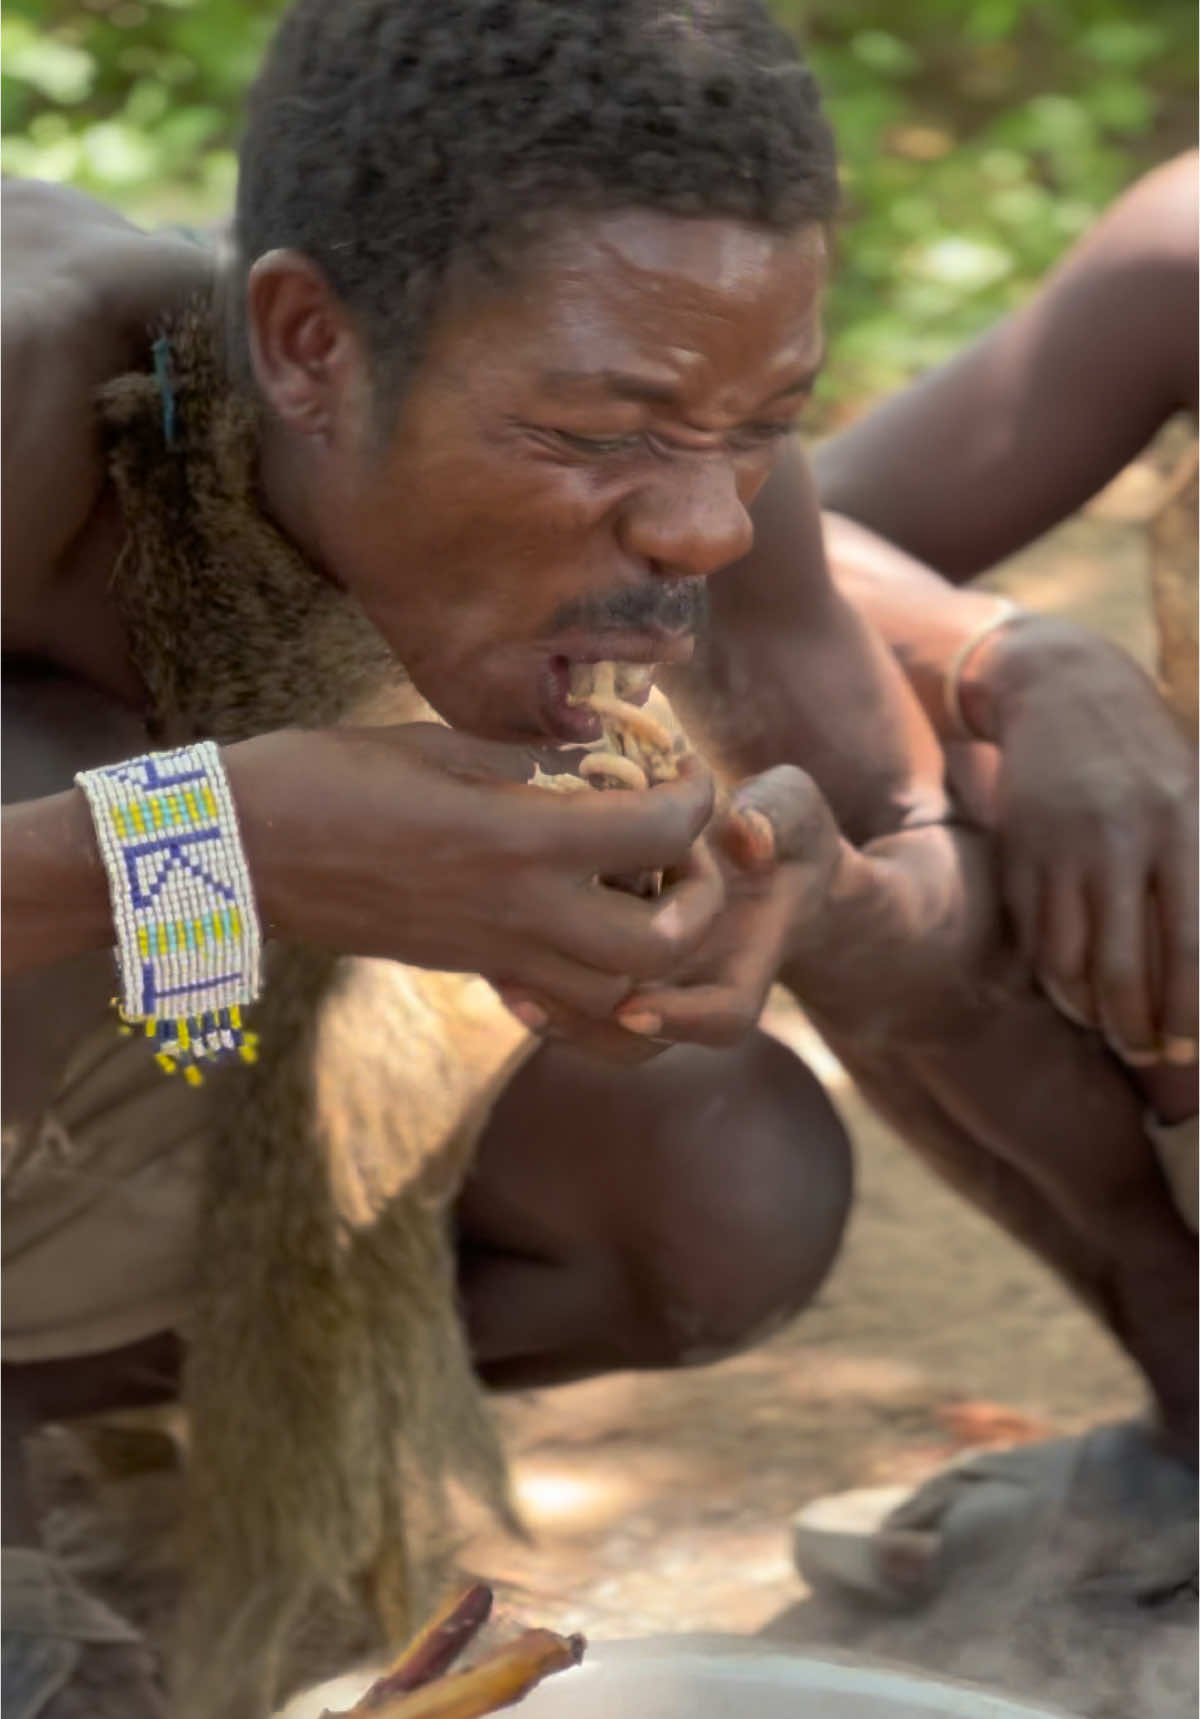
[(103, 1192)]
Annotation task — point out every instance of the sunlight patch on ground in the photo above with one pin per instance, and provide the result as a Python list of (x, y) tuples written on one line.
[(577, 1499)]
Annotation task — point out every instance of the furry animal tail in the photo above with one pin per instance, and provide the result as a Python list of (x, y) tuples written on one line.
[(330, 1391)]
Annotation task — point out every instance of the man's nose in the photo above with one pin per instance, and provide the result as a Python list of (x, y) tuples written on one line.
[(690, 520)]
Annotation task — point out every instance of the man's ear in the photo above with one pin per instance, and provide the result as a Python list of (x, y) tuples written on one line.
[(303, 347)]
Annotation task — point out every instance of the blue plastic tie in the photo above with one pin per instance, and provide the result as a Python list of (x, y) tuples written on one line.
[(162, 373)]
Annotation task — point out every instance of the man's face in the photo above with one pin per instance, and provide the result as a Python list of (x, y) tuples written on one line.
[(576, 454)]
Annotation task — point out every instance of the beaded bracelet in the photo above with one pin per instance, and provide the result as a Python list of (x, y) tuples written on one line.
[(189, 947)]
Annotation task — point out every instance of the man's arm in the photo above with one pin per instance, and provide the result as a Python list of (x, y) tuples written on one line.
[(1093, 801), (1092, 791), (55, 898), (1094, 797), (986, 453)]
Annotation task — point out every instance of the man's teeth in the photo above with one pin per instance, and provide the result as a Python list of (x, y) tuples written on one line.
[(608, 680), (579, 682), (633, 678)]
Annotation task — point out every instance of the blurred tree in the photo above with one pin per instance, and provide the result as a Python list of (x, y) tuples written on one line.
[(978, 137), (137, 102)]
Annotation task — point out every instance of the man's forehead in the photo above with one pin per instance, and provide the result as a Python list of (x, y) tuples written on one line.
[(644, 307), (718, 255), (656, 384), (647, 307)]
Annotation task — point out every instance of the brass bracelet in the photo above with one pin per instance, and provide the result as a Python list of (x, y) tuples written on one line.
[(960, 729)]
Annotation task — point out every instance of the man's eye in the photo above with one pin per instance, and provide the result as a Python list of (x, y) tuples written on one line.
[(599, 445), (762, 435)]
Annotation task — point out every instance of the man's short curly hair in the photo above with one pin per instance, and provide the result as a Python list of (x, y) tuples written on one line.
[(390, 139)]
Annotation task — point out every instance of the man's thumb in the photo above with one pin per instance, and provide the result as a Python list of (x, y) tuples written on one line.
[(780, 815)]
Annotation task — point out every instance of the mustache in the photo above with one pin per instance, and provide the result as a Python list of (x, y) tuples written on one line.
[(660, 605)]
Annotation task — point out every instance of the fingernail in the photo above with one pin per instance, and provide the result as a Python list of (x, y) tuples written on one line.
[(761, 833), (530, 1015), (1181, 1051), (1066, 1008), (1132, 1058), (643, 1021), (1135, 1059)]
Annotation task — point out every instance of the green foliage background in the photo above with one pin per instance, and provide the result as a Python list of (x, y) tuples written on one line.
[(978, 137)]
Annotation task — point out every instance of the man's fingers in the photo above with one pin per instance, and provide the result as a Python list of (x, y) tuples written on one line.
[(1023, 898), (612, 834), (490, 761), (531, 1013), (1061, 957), (1176, 903), (546, 976), (792, 805), (1121, 967), (693, 896), (698, 1014), (712, 1015), (656, 830), (748, 839), (718, 1013), (606, 834), (646, 939), (468, 758), (602, 1039), (597, 936), (1051, 918)]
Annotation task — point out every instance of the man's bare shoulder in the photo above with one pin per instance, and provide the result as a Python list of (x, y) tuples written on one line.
[(1160, 214), (81, 288)]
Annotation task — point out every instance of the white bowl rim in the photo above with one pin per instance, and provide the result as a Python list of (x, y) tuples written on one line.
[(824, 1672)]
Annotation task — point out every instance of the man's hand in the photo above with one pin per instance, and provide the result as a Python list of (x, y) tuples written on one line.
[(781, 854), (1096, 812), (425, 846)]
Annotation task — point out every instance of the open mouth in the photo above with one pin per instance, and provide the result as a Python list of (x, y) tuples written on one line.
[(567, 677)]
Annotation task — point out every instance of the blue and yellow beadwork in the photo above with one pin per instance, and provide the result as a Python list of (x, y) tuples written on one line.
[(189, 946)]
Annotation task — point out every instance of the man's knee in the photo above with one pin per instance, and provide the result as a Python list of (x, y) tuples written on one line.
[(745, 1199)]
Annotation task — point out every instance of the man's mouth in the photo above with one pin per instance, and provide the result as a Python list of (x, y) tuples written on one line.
[(567, 677)]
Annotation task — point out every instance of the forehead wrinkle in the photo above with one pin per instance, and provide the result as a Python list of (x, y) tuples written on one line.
[(739, 251), (600, 313), (678, 279), (640, 365)]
